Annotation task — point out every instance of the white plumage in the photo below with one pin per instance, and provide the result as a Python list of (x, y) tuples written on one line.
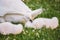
[(17, 7), (41, 22), (7, 28), (13, 6), (29, 24), (16, 18)]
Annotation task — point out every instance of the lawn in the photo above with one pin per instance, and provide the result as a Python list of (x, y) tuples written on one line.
[(51, 10)]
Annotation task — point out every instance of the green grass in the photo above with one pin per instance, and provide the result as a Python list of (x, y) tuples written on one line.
[(51, 10)]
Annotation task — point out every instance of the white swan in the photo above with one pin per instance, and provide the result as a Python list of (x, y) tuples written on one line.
[(17, 7), (41, 22), (7, 28)]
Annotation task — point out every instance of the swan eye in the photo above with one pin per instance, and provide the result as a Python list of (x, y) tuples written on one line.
[(30, 20)]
